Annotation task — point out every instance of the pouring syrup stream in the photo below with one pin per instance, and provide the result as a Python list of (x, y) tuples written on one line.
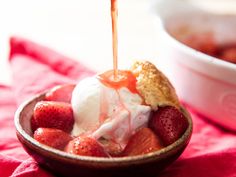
[(117, 78), (114, 14)]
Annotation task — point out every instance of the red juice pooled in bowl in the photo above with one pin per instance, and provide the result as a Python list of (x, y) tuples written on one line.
[(206, 43)]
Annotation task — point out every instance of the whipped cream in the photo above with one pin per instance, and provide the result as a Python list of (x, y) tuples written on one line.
[(112, 114)]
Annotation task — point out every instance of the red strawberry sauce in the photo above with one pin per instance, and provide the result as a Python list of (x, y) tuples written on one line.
[(124, 79)]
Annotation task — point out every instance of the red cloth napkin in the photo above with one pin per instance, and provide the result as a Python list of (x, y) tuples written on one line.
[(211, 152)]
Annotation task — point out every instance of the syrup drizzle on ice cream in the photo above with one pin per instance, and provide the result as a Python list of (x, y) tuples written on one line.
[(115, 80), (114, 15), (108, 106)]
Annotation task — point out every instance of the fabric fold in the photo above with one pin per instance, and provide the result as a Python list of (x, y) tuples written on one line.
[(41, 54), (35, 68)]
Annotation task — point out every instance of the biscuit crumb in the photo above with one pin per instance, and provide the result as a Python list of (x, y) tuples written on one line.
[(154, 86)]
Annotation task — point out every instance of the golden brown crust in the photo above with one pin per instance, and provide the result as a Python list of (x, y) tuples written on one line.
[(154, 86)]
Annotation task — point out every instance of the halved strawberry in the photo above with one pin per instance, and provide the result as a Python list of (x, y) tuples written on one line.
[(60, 93), (51, 114), (168, 123), (52, 137), (142, 142), (85, 146)]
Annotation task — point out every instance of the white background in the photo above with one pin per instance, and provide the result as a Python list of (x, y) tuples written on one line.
[(81, 29)]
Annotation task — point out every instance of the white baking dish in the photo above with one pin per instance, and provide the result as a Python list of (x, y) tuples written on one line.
[(204, 82)]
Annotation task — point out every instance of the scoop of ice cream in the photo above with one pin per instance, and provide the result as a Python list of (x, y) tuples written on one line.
[(85, 103), (113, 114)]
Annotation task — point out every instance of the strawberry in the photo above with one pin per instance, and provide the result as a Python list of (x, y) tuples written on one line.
[(142, 142), (229, 54), (60, 93), (168, 123), (51, 114), (52, 137), (85, 146), (203, 42)]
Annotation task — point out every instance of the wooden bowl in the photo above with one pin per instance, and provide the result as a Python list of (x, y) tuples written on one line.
[(65, 164)]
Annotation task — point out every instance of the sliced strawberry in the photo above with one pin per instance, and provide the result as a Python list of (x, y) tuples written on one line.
[(52, 137), (60, 93), (85, 146), (168, 123), (142, 142), (51, 114)]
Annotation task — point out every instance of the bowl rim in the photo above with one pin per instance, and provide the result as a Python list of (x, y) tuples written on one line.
[(200, 55), (61, 155)]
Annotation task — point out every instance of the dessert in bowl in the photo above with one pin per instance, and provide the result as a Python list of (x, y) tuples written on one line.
[(134, 126), (197, 54)]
